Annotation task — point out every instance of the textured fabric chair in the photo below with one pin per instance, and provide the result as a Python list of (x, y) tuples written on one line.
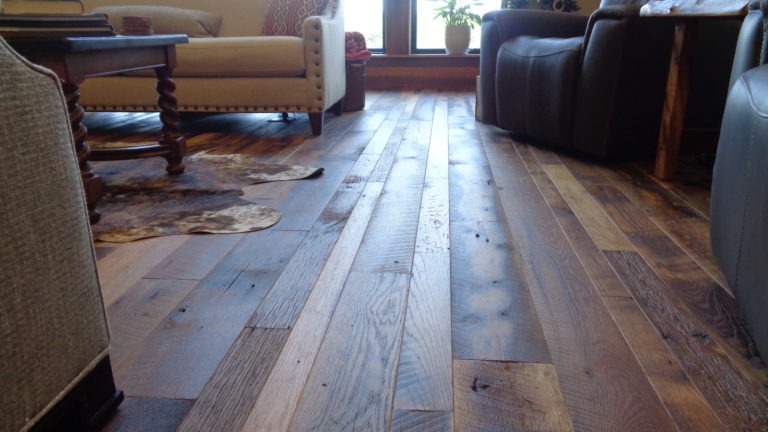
[(591, 84), (739, 198), (55, 372)]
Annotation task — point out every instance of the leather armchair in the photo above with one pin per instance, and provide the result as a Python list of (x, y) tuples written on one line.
[(591, 84), (739, 197), (55, 371)]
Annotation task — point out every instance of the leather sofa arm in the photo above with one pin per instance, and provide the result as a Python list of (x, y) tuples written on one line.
[(501, 25), (324, 57)]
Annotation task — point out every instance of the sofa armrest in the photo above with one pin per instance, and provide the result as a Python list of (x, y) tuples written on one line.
[(324, 56), (501, 25)]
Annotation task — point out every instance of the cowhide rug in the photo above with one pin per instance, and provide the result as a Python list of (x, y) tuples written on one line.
[(142, 201)]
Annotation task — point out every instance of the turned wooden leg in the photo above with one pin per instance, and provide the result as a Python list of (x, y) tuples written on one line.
[(169, 116), (91, 182), (316, 122), (338, 107)]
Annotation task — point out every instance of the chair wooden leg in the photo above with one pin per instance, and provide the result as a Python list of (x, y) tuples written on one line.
[(316, 121), (338, 107)]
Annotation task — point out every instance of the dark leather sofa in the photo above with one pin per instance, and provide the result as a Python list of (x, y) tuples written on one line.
[(739, 198), (591, 84)]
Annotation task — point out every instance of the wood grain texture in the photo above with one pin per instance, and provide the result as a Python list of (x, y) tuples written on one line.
[(422, 421), (712, 306), (224, 403), (505, 396), (178, 357), (603, 231), (692, 235), (681, 398), (395, 221), (128, 263), (139, 311), (595, 382), (735, 400), (601, 273), (424, 370), (274, 408), (286, 298), (363, 339), (195, 259)]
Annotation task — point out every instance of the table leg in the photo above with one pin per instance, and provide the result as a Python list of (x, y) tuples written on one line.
[(678, 83), (169, 116), (91, 182)]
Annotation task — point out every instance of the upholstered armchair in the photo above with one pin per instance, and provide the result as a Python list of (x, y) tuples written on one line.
[(593, 84), (55, 372)]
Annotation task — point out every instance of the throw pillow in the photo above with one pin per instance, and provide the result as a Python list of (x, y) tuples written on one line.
[(286, 17), (167, 20)]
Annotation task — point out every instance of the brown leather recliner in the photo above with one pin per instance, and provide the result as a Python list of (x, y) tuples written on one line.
[(591, 84)]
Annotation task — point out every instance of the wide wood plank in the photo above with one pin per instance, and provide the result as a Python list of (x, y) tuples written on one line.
[(682, 399), (603, 231), (140, 310), (198, 256), (130, 262), (422, 421), (363, 339), (594, 380), (736, 400), (274, 408), (224, 402), (424, 371), (178, 358), (712, 306), (506, 396)]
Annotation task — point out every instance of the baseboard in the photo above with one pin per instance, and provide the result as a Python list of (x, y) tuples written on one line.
[(87, 407)]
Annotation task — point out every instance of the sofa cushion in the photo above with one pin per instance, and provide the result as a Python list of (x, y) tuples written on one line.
[(286, 17), (247, 56), (167, 20)]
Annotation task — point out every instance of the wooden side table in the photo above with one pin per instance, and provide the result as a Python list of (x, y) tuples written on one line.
[(74, 59), (687, 14)]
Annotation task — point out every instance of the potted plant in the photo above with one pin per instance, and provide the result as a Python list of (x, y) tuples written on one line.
[(459, 22)]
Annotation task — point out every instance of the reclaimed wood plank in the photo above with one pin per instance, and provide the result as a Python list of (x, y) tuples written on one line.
[(130, 262), (716, 311), (284, 303), (601, 273), (224, 403), (422, 421), (274, 408), (198, 256), (593, 361), (363, 339), (134, 315), (395, 221), (507, 396), (424, 371), (692, 235), (735, 399), (600, 227), (178, 358), (686, 405), (682, 399)]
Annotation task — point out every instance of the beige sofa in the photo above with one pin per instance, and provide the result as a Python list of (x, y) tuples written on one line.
[(55, 372), (238, 69)]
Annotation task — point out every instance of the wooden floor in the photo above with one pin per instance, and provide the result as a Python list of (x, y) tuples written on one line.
[(438, 276)]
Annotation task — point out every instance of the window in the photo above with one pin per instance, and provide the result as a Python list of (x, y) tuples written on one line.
[(366, 17), (428, 32)]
